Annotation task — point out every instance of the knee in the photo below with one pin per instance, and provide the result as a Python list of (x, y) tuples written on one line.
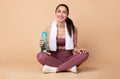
[(84, 56), (41, 57)]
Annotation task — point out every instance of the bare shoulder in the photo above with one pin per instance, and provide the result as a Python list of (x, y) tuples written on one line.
[(76, 29), (48, 28)]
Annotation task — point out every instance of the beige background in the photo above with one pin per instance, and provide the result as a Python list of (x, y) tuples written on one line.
[(21, 24)]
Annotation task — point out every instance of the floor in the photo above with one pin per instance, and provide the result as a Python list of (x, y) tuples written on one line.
[(28, 71)]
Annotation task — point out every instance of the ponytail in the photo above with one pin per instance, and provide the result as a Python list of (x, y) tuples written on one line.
[(70, 26)]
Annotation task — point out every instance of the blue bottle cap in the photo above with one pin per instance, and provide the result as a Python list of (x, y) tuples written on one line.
[(44, 34)]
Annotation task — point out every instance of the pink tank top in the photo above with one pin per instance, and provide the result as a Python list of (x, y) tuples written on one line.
[(60, 41)]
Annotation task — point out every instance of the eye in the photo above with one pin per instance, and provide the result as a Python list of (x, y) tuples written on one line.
[(65, 12), (58, 11)]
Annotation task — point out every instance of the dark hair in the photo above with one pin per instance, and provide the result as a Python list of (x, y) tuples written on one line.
[(69, 22)]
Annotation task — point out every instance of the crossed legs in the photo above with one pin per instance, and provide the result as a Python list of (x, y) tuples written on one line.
[(71, 61)]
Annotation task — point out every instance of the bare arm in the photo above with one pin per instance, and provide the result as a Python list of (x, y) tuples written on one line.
[(75, 39), (76, 49), (48, 35)]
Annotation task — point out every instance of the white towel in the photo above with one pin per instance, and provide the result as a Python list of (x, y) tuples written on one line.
[(53, 34)]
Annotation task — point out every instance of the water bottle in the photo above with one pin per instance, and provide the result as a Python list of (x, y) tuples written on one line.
[(44, 39)]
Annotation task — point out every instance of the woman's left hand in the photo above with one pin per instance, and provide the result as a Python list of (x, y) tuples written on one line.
[(82, 50), (77, 50)]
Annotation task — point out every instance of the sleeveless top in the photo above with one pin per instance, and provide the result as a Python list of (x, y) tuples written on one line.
[(60, 41)]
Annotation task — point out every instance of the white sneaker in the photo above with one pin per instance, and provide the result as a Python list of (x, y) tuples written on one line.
[(73, 69), (47, 69)]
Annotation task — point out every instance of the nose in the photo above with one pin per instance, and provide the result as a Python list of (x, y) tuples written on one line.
[(61, 14)]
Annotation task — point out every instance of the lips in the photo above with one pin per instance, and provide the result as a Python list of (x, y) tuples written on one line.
[(60, 17)]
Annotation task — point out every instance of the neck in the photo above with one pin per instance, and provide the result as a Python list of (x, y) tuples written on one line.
[(61, 24)]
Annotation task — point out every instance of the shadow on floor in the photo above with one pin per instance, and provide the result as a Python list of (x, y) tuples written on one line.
[(88, 69)]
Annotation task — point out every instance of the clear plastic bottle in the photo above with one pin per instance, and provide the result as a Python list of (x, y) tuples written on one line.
[(44, 39)]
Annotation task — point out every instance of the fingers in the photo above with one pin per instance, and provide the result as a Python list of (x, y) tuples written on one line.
[(83, 50), (41, 43)]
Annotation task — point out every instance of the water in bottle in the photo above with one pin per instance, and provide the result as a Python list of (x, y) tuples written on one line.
[(44, 39)]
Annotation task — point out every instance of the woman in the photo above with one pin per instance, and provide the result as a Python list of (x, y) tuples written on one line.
[(62, 43)]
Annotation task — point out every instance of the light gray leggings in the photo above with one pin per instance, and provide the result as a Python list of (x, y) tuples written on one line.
[(62, 59)]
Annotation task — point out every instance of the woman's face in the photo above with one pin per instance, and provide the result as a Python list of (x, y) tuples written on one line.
[(61, 14)]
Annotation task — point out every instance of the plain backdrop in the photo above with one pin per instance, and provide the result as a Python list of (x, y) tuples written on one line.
[(22, 21)]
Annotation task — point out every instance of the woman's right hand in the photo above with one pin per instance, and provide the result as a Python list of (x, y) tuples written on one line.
[(41, 43)]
